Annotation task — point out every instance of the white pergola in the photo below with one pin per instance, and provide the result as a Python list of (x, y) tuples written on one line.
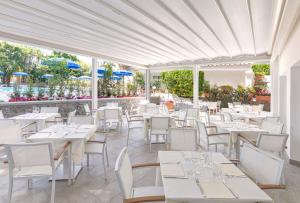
[(150, 34)]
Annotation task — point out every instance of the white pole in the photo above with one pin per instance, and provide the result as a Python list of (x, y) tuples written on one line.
[(195, 85), (147, 84), (94, 84)]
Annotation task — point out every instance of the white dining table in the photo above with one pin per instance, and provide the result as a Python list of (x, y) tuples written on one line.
[(39, 118), (203, 186), (76, 134), (234, 129), (247, 116)]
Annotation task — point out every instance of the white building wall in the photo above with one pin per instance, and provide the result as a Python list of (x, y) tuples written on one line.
[(233, 78)]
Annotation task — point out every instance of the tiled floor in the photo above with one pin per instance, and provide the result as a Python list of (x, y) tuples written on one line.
[(91, 187)]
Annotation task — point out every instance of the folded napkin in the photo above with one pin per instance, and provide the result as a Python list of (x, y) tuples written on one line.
[(216, 189), (172, 170), (231, 170)]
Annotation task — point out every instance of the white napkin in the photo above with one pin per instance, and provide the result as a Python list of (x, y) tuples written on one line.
[(215, 189), (172, 170), (231, 170)]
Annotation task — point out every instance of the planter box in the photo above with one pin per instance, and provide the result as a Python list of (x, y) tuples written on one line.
[(263, 99)]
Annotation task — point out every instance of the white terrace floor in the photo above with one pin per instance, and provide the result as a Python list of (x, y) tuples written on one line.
[(90, 186)]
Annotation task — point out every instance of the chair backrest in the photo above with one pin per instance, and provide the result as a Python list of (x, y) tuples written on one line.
[(230, 105), (49, 109), (151, 107), (227, 117), (112, 114), (236, 103), (272, 128), (159, 123), (202, 132), (87, 109), (83, 120), (273, 119), (112, 104), (261, 166), (1, 115), (192, 113), (11, 133), (184, 139), (274, 143), (182, 115), (70, 115), (29, 155), (123, 170)]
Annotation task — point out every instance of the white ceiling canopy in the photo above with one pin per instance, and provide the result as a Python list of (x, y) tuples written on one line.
[(148, 33)]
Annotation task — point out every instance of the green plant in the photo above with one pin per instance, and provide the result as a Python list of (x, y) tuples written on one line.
[(262, 68), (29, 92), (71, 88), (16, 92), (260, 74), (41, 92), (180, 82), (52, 83)]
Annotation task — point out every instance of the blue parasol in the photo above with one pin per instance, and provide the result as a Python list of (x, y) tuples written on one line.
[(20, 74), (101, 70), (47, 76), (122, 73)]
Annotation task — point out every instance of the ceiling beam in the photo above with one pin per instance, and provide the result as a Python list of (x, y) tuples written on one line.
[(222, 12), (174, 15), (119, 12), (197, 14), (59, 47), (261, 58), (251, 23)]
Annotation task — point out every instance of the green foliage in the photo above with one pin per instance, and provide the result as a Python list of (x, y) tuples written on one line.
[(29, 92), (139, 80), (16, 92), (180, 82), (52, 83), (41, 91), (261, 69)]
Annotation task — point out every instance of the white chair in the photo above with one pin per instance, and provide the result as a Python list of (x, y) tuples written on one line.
[(87, 109), (180, 119), (213, 107), (227, 117), (274, 143), (182, 139), (99, 118), (230, 105), (94, 145), (49, 110), (151, 108), (112, 116), (214, 139), (70, 116), (192, 114), (32, 160), (159, 126), (237, 103), (271, 127), (264, 168), (124, 173), (133, 122), (1, 115)]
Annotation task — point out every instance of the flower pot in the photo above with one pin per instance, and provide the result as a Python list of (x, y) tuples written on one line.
[(263, 98), (170, 105)]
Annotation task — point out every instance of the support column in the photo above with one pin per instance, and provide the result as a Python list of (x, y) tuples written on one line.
[(274, 66), (94, 84), (147, 84), (195, 86)]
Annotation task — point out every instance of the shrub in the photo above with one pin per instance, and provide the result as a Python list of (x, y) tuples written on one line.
[(261, 68)]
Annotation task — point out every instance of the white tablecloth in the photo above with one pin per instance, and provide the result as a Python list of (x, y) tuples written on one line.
[(235, 189)]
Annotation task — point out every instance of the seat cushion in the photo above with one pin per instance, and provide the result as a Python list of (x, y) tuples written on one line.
[(34, 171), (148, 191), (94, 148)]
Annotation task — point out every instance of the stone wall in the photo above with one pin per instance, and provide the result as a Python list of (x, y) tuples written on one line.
[(10, 109)]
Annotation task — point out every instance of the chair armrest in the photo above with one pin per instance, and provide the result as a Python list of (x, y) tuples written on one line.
[(235, 161), (64, 148), (247, 140), (145, 199), (267, 186), (96, 141), (29, 124), (216, 134), (145, 165), (211, 126)]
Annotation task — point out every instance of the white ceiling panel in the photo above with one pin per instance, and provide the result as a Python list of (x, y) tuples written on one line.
[(150, 33)]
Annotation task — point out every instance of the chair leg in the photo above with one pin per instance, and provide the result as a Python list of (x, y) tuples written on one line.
[(10, 188), (29, 183), (104, 168), (87, 160), (216, 147), (128, 136), (106, 154), (53, 190), (150, 143)]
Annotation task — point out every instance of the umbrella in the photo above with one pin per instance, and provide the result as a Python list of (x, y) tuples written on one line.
[(116, 78), (101, 70), (122, 73), (54, 61), (84, 77), (73, 78), (47, 76), (20, 74)]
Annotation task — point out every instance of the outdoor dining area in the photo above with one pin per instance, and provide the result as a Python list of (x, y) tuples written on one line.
[(199, 154)]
